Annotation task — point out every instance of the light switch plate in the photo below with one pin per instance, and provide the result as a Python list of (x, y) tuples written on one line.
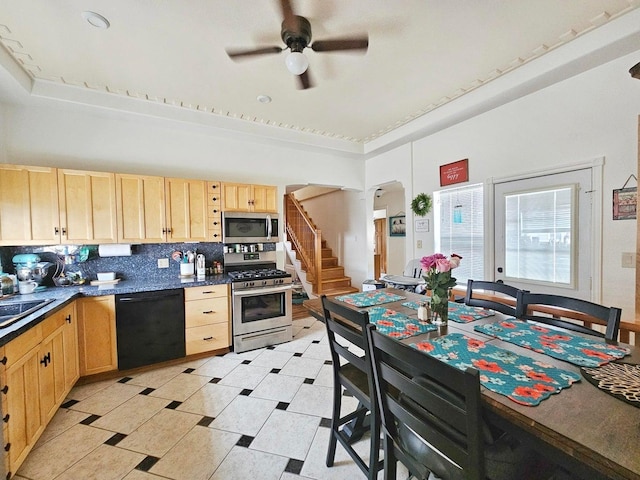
[(163, 263), (628, 260), (419, 244)]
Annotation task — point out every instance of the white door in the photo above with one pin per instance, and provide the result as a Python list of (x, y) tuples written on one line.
[(543, 233)]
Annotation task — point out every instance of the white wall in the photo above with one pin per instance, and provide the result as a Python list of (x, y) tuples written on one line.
[(591, 115), (93, 139), (342, 218)]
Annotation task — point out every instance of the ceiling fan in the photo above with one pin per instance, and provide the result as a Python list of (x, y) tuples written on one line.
[(296, 34)]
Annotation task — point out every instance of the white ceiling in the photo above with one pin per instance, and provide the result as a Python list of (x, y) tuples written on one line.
[(168, 57)]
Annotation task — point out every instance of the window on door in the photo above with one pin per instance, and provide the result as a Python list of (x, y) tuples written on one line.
[(459, 228)]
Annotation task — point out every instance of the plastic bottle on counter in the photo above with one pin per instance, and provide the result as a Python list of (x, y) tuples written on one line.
[(423, 312)]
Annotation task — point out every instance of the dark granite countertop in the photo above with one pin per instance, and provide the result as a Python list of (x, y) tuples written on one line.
[(63, 295)]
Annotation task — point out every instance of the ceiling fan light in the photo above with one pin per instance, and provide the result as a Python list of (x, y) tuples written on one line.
[(296, 63)]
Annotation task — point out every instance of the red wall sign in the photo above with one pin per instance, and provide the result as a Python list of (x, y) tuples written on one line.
[(455, 172)]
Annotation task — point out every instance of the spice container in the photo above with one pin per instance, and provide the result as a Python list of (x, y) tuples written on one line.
[(423, 312)]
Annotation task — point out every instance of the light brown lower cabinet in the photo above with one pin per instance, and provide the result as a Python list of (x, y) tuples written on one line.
[(40, 368), (97, 343), (207, 318)]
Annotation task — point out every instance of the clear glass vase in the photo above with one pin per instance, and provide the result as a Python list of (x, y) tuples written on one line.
[(440, 309)]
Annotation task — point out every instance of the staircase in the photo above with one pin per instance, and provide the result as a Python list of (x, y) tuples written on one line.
[(316, 266)]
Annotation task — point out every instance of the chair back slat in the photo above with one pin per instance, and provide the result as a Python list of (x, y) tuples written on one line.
[(507, 290), (608, 316), (437, 401)]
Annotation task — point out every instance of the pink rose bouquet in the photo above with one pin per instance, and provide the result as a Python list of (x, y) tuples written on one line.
[(437, 270)]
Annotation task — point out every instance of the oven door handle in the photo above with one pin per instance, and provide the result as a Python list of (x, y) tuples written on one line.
[(262, 290)]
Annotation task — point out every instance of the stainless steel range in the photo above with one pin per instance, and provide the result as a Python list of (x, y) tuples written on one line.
[(262, 300)]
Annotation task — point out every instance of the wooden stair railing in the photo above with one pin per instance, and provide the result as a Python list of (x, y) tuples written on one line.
[(306, 240)]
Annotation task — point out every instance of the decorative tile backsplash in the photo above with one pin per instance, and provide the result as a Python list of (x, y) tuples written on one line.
[(141, 265)]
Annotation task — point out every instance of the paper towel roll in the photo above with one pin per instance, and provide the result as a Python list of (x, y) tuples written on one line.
[(115, 250)]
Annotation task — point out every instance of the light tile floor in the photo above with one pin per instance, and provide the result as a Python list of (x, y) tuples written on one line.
[(262, 415)]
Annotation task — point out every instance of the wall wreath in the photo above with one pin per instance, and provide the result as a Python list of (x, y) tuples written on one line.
[(421, 205)]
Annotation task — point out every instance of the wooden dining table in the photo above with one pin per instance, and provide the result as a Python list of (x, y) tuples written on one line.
[(585, 430)]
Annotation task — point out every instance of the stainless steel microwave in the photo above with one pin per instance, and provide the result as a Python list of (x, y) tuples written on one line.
[(249, 227)]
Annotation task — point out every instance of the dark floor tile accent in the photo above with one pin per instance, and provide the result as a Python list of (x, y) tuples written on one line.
[(246, 362), (206, 421), (90, 419), (294, 466), (316, 341), (245, 441), (328, 362), (146, 464), (309, 381), (297, 354), (173, 405), (189, 370), (124, 379), (215, 380), (147, 391), (325, 422), (246, 392), (69, 403), (275, 370), (307, 328), (271, 347), (282, 405), (115, 439)]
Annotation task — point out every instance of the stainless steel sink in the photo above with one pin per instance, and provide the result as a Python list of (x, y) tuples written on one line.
[(11, 312)]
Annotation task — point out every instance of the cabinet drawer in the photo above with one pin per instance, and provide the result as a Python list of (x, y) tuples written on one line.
[(16, 348), (214, 223), (205, 311), (208, 291), (214, 235), (207, 338), (53, 323)]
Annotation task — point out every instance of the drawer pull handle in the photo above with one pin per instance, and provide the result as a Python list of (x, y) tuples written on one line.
[(5, 389), (7, 447), (207, 292), (68, 318), (5, 419), (4, 360), (208, 312), (207, 338)]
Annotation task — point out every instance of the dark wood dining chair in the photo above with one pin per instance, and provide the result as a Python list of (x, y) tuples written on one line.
[(436, 424), (345, 329), (607, 316), (497, 287)]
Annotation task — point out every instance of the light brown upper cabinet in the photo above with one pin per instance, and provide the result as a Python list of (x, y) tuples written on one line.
[(186, 209), (87, 206), (238, 197), (140, 209), (28, 205)]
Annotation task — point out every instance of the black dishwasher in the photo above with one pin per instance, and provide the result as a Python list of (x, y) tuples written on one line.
[(149, 327)]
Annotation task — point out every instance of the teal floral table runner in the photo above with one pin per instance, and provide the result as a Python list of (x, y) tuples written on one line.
[(522, 379), (581, 351), (368, 299), (458, 312), (397, 325)]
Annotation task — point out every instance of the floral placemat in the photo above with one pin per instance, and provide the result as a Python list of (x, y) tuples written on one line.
[(368, 299), (622, 380), (522, 379), (459, 312), (581, 351), (397, 325)]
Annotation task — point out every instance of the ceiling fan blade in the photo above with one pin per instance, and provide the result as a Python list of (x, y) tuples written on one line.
[(304, 80), (289, 21), (235, 53), (340, 44)]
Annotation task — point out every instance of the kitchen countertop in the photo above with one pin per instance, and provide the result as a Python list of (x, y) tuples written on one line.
[(64, 295)]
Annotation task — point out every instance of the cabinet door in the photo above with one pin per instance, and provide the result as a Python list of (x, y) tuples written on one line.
[(236, 197), (186, 210), (22, 403), (97, 334), (70, 347), (87, 206), (28, 205), (265, 198), (51, 374), (140, 208)]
